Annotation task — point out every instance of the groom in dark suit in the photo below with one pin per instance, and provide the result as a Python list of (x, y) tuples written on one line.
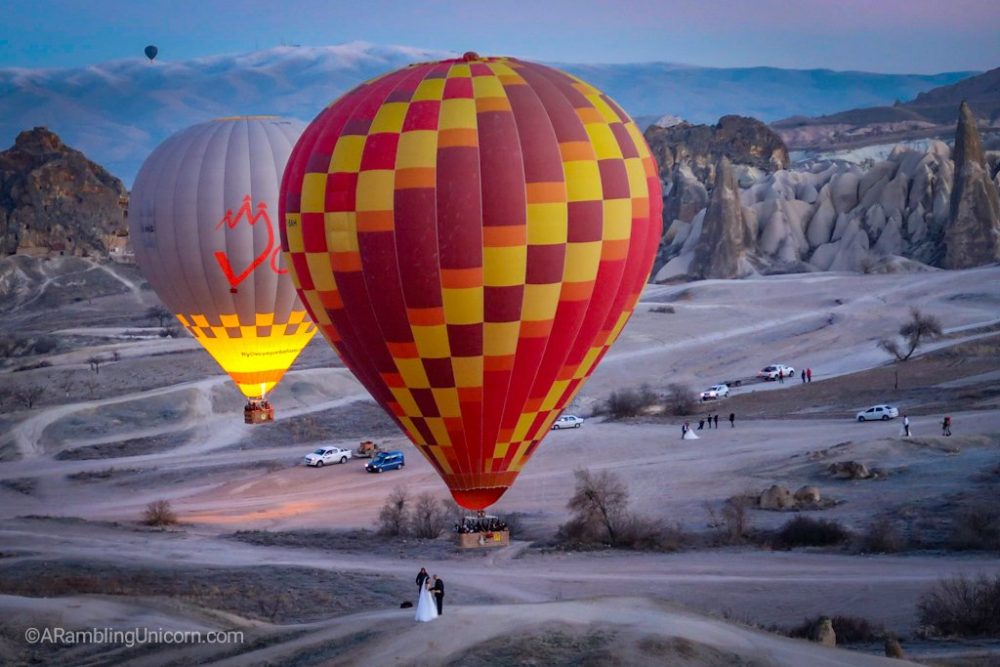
[(437, 589)]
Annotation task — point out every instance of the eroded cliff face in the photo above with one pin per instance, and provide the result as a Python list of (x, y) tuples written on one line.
[(54, 201), (725, 242), (972, 237), (914, 210)]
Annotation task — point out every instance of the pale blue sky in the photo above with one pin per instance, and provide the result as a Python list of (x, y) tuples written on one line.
[(918, 36)]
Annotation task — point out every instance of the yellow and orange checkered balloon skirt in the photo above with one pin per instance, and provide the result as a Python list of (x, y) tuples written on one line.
[(471, 236)]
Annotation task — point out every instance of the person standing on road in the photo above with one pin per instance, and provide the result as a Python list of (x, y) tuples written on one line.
[(732, 420), (803, 373), (906, 426), (809, 375), (946, 426), (781, 376), (701, 423), (422, 578), (716, 421)]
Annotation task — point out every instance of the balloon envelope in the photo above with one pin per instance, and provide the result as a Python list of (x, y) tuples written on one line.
[(201, 220), (471, 236), (151, 51)]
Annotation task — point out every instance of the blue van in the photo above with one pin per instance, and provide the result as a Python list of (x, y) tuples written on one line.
[(386, 461)]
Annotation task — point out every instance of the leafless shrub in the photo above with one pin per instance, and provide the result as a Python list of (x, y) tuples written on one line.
[(680, 400), (170, 332), (629, 402), (976, 528), (669, 310), (599, 506), (736, 518), (803, 531), (160, 314), (393, 517), (645, 534), (962, 606), (428, 518), (881, 537), (914, 332), (159, 513)]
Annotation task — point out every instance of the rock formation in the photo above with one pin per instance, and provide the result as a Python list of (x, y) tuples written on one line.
[(893, 649), (972, 237), (824, 633), (53, 201), (725, 239)]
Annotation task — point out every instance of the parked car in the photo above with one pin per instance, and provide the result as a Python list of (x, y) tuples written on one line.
[(386, 461), (326, 455), (771, 372), (567, 421), (878, 412), (714, 392)]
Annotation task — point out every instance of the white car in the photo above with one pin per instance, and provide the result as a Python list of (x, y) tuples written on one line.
[(774, 370), (326, 455), (567, 421), (878, 412), (714, 392)]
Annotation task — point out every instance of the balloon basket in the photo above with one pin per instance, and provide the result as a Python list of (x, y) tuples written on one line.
[(258, 414), (482, 532)]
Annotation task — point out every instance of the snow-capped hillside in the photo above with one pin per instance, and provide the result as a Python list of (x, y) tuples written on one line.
[(117, 112)]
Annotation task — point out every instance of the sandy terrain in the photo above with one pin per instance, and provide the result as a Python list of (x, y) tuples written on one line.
[(160, 423)]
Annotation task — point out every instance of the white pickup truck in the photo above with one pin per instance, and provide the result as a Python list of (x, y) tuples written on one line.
[(326, 455)]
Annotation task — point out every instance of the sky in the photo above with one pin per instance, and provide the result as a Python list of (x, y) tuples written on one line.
[(898, 36)]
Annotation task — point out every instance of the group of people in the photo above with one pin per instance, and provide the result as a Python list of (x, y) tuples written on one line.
[(945, 426), (481, 524), (430, 596), (687, 433)]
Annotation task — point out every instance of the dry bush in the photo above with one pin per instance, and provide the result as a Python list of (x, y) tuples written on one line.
[(159, 513), (803, 531), (962, 606), (428, 518), (160, 314), (669, 310), (645, 534), (27, 395), (882, 537), (629, 402), (681, 400), (599, 505), (736, 519), (849, 629), (393, 518), (976, 528)]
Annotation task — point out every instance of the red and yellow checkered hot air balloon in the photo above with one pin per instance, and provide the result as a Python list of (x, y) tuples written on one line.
[(471, 236)]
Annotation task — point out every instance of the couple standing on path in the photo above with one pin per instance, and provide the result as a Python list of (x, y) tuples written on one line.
[(430, 596)]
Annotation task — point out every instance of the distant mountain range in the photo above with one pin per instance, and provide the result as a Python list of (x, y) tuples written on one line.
[(117, 112), (931, 114)]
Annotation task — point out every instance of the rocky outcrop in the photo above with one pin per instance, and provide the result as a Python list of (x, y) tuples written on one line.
[(54, 201), (972, 237), (834, 216), (743, 140), (725, 238), (823, 633)]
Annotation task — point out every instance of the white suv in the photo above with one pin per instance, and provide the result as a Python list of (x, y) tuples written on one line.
[(327, 455), (714, 392), (774, 370)]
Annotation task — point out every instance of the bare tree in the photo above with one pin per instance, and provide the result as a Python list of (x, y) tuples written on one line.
[(159, 513), (600, 500), (393, 517), (91, 385), (5, 393), (736, 519), (914, 332), (67, 382), (680, 400), (28, 395), (95, 363), (428, 518), (159, 313)]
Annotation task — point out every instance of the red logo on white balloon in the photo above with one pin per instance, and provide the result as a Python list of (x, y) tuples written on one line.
[(231, 220)]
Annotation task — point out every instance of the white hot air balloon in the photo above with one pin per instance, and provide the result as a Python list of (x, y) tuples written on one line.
[(203, 223)]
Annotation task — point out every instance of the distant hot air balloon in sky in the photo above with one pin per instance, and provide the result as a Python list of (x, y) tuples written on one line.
[(151, 51), (471, 236), (202, 224)]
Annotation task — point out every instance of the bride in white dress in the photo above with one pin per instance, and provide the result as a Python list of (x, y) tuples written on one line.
[(426, 607)]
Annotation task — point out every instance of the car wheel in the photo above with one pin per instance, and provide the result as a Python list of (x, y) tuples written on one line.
[(402, 465), (861, 418), (319, 464), (343, 459), (577, 425), (885, 418)]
